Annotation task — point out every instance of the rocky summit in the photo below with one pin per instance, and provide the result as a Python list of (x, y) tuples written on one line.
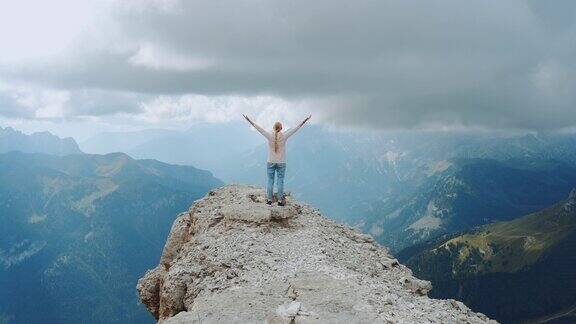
[(233, 259)]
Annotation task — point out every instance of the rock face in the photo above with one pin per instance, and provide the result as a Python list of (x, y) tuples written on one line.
[(233, 259)]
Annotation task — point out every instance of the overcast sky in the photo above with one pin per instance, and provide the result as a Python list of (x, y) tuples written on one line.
[(78, 66)]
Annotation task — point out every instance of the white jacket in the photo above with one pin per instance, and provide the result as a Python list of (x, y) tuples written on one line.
[(278, 156)]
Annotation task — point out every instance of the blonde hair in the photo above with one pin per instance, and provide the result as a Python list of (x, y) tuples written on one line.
[(277, 129)]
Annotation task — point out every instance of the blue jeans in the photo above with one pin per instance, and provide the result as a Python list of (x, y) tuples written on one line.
[(279, 169)]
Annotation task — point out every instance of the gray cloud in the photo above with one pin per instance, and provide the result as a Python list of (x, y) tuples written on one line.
[(24, 102), (100, 103), (11, 109), (393, 64)]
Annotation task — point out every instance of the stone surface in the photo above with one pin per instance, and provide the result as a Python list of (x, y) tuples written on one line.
[(233, 259)]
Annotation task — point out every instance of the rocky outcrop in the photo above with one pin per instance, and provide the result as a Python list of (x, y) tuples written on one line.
[(570, 203), (233, 259)]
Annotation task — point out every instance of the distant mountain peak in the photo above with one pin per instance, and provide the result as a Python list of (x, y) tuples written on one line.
[(39, 142), (232, 258)]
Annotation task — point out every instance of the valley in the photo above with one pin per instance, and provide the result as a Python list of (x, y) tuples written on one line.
[(78, 231), (519, 270)]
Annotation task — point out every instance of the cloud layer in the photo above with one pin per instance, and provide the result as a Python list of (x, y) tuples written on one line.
[(384, 64)]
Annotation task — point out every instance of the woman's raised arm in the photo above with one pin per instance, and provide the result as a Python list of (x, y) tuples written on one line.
[(293, 130), (258, 128)]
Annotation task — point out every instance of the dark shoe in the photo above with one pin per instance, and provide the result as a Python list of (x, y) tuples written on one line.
[(281, 203), (269, 202)]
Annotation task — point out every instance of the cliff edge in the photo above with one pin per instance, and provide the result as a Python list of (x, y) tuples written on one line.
[(233, 259)]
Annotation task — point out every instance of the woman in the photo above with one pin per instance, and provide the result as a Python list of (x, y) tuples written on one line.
[(276, 157)]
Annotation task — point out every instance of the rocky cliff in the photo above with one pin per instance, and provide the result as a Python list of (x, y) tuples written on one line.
[(233, 259)]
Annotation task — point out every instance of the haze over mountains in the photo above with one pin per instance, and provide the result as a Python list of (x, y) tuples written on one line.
[(202, 145), (372, 175)]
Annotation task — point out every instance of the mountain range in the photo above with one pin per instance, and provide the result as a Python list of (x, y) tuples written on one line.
[(41, 142), (516, 271), (78, 231), (465, 193), (366, 178), (370, 167), (407, 189)]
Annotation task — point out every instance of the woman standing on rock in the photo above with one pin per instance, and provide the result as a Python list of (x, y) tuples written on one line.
[(276, 157)]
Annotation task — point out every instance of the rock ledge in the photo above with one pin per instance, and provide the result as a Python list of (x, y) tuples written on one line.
[(233, 259)]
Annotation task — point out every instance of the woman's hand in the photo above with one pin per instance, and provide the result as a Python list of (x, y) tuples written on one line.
[(248, 119)]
